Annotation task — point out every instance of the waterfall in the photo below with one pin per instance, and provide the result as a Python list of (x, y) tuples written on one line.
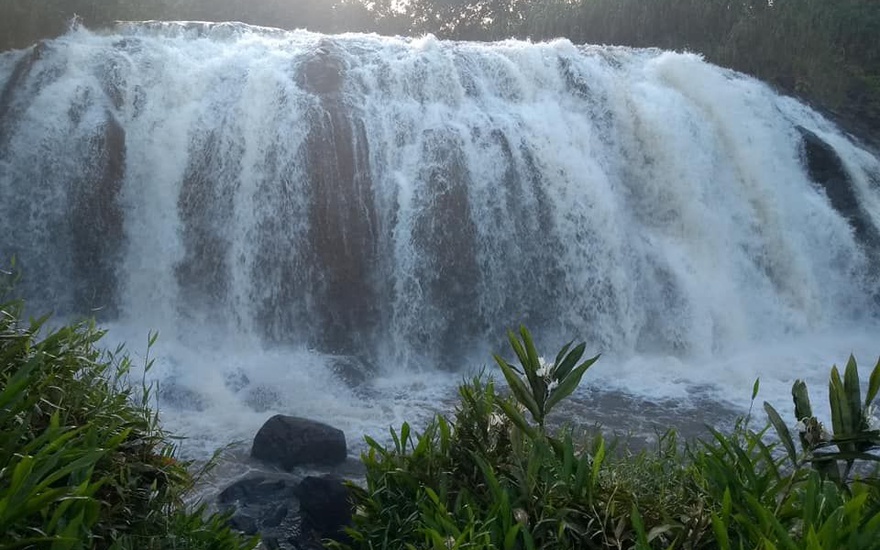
[(407, 201)]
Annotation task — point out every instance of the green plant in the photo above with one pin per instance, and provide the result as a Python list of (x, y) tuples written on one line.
[(491, 479), (856, 431), (83, 461)]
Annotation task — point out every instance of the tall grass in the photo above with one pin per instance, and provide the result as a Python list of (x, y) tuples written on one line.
[(83, 461), (494, 477)]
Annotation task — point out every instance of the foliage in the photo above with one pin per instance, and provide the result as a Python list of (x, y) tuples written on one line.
[(825, 52), (83, 462), (493, 478)]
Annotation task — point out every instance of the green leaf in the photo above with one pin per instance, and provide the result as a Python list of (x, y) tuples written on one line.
[(853, 394), (568, 385), (518, 419), (531, 367), (721, 536), (755, 388), (782, 431), (639, 526), (564, 367), (873, 384), (510, 536), (561, 354), (801, 397), (840, 417), (598, 458), (518, 387)]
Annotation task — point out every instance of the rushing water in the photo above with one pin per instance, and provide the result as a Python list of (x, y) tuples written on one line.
[(269, 201)]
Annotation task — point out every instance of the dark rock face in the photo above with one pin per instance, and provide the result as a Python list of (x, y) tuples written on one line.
[(265, 506), (288, 514), (96, 219), (288, 441), (352, 370), (325, 507), (826, 169)]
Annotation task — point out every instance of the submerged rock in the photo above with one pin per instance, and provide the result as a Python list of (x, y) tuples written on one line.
[(353, 371), (289, 441)]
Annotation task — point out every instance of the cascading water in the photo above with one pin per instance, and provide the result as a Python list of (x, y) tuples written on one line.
[(268, 200)]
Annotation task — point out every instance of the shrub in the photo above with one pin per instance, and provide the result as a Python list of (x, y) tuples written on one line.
[(493, 478), (83, 461)]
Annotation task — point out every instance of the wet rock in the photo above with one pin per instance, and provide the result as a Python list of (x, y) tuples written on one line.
[(262, 398), (244, 523), (257, 490), (179, 397), (236, 380), (289, 441), (325, 507), (265, 506), (353, 371), (96, 218), (323, 72), (827, 170)]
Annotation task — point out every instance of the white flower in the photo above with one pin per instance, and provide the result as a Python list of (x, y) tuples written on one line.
[(552, 385), (545, 369), (801, 426), (873, 419), (495, 420)]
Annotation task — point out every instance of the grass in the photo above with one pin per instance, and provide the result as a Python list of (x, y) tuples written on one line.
[(83, 461), (494, 477)]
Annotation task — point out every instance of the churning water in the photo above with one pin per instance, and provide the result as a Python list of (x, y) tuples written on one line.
[(279, 204)]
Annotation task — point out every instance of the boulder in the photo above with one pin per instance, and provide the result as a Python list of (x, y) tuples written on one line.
[(289, 441), (325, 507)]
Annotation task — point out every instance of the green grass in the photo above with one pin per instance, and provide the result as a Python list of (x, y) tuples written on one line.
[(83, 461), (494, 477)]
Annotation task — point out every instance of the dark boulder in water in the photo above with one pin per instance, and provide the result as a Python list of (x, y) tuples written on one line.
[(289, 441)]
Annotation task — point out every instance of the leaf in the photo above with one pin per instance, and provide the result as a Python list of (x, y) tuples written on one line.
[(782, 431), (639, 526), (840, 420), (853, 394), (598, 458), (518, 419), (510, 537), (873, 385), (561, 355), (755, 388), (520, 392), (568, 385), (564, 367), (801, 397), (721, 536), (531, 367)]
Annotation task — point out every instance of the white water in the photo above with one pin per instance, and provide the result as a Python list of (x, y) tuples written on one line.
[(648, 202)]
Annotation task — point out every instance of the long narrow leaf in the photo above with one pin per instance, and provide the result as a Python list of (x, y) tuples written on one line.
[(568, 385), (873, 384), (781, 431)]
